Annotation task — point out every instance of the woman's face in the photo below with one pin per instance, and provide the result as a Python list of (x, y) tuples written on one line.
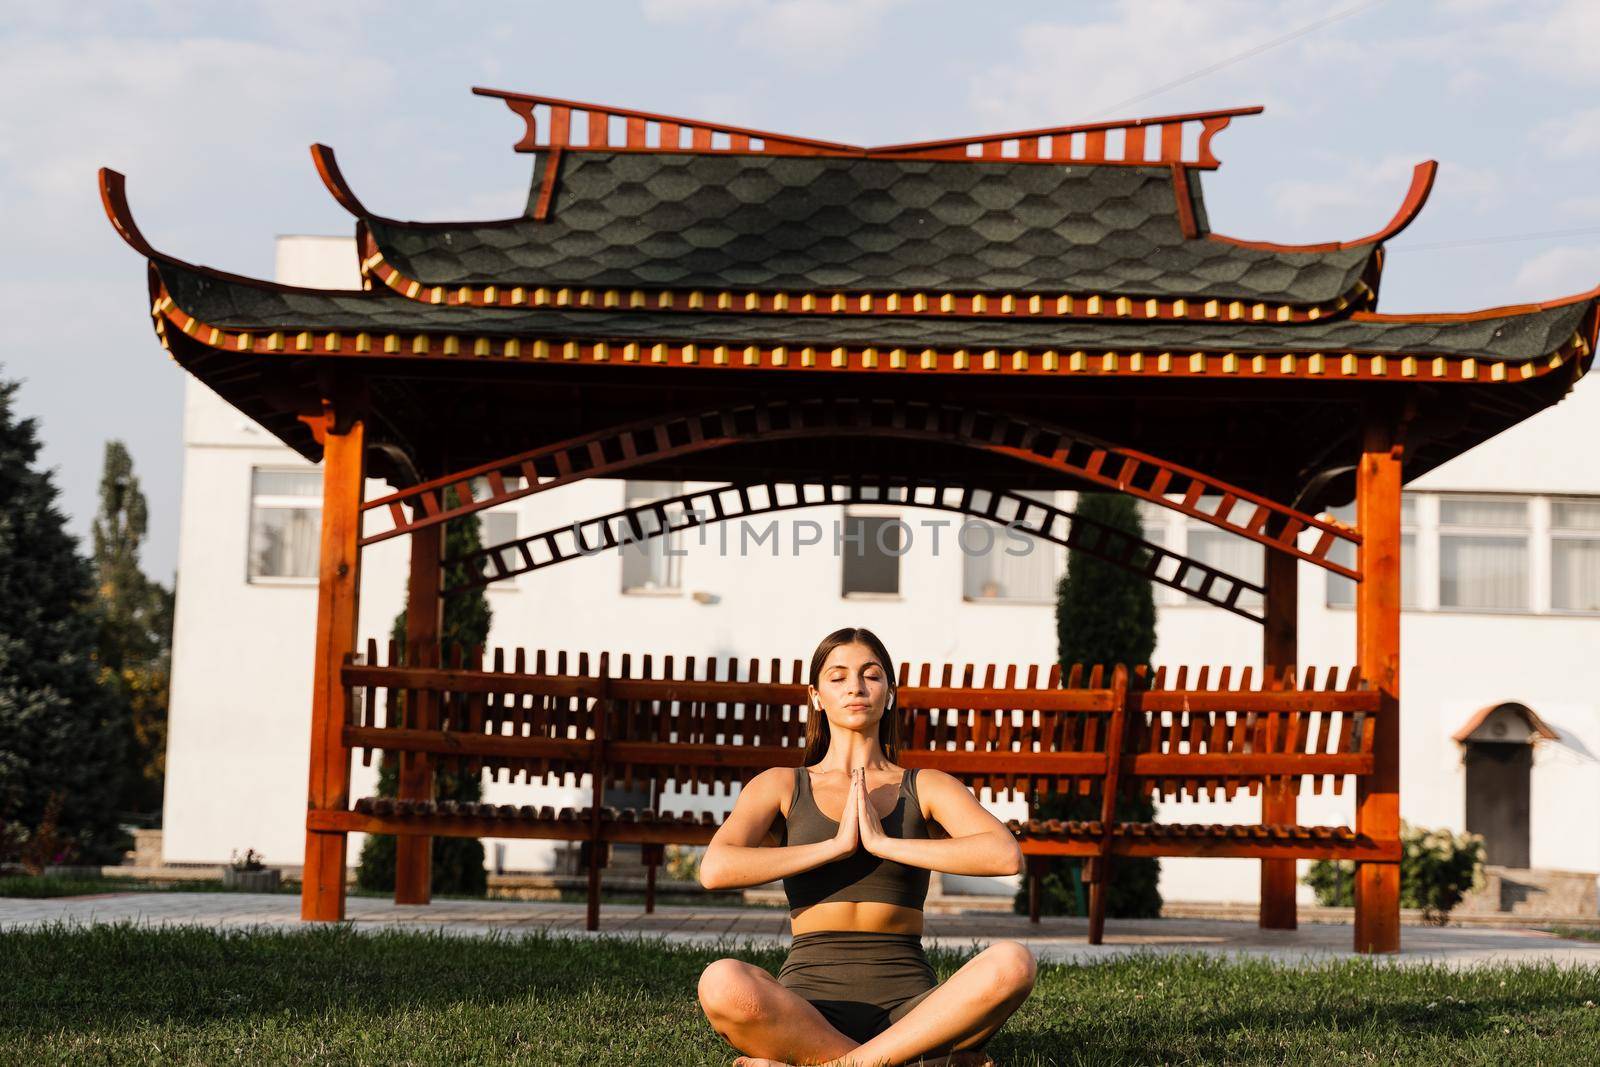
[(853, 688)]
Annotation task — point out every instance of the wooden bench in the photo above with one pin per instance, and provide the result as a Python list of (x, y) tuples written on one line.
[(1006, 738)]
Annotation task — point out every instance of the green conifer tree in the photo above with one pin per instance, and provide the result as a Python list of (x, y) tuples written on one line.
[(61, 735), (1104, 615), (135, 632), (458, 862)]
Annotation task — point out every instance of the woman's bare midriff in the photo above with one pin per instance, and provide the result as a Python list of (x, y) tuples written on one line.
[(865, 916)]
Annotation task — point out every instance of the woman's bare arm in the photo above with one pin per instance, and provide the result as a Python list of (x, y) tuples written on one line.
[(978, 843), (735, 858)]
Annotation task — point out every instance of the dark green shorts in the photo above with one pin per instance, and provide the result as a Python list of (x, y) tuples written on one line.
[(860, 982)]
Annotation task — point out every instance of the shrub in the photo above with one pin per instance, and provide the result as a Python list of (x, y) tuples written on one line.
[(45, 846), (683, 862), (1437, 869), (1104, 615), (250, 861), (458, 862), (62, 732), (1132, 892)]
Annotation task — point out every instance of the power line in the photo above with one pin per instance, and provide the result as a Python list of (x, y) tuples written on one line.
[(1247, 54)]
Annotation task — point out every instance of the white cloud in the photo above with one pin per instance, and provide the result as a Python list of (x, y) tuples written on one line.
[(689, 10), (1109, 67), (1571, 136), (819, 31), (153, 110), (136, 102), (1557, 41), (1355, 187), (1357, 196), (1581, 207), (1470, 7), (1556, 272), (209, 131), (1076, 70)]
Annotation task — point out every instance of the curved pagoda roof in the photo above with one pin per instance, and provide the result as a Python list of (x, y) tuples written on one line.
[(662, 262)]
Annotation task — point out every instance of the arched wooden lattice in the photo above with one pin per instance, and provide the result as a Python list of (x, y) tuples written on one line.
[(610, 452), (726, 502)]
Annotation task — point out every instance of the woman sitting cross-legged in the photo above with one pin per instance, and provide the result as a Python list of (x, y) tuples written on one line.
[(856, 987)]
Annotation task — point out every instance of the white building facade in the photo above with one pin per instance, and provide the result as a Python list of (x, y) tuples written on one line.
[(1501, 574)]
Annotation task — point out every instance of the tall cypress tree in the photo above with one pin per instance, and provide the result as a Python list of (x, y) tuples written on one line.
[(458, 865), (61, 736), (1104, 615), (135, 632)]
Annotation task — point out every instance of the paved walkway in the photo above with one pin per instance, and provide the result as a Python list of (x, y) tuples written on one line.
[(1055, 939)]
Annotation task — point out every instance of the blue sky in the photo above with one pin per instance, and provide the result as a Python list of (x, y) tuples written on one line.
[(208, 109)]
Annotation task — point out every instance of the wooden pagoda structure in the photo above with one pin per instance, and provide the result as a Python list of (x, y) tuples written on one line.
[(804, 322)]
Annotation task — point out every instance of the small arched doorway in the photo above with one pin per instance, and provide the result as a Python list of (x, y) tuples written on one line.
[(1497, 750)]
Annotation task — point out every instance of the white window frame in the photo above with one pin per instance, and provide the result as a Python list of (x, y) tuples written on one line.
[(1180, 524), (1040, 544), (1540, 532), (1527, 531), (1423, 561), (1552, 534), (299, 503), (1167, 528), (671, 543)]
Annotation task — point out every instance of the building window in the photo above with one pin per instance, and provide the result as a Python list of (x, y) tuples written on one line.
[(1341, 592), (1011, 570), (1483, 553), (654, 564), (1156, 521), (497, 528), (870, 546), (285, 523), (1575, 555), (1237, 556)]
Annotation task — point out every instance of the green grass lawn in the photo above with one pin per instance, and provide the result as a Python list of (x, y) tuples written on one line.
[(329, 995), (1577, 933)]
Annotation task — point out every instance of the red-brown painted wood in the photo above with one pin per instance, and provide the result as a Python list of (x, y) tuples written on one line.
[(1378, 481), (1279, 793), (343, 437)]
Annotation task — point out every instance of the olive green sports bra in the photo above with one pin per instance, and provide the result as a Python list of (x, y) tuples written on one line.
[(860, 876)]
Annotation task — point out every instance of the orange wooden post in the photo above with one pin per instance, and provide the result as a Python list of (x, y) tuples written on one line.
[(599, 850), (343, 438), (413, 860), (1378, 656), (1279, 803), (1098, 868)]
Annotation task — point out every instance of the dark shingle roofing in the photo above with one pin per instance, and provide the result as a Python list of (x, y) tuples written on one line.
[(685, 220), (1513, 337)]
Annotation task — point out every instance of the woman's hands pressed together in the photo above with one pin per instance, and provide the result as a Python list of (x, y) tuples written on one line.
[(869, 826), (859, 824), (848, 839)]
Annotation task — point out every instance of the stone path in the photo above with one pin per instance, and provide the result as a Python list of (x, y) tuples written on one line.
[(1057, 939)]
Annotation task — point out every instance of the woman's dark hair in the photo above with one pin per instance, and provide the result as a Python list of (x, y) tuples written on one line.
[(817, 729)]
